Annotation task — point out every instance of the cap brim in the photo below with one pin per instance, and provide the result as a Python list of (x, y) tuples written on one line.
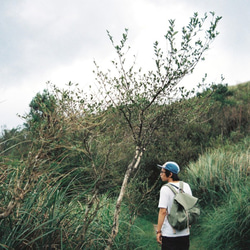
[(160, 166)]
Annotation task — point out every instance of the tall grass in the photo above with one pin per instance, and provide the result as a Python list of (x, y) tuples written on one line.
[(220, 178), (53, 216), (38, 221), (228, 226), (219, 171), (57, 213), (143, 235)]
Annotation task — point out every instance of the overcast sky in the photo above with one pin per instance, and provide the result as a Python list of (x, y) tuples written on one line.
[(57, 41)]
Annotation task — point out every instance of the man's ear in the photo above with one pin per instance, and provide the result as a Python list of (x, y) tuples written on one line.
[(170, 175)]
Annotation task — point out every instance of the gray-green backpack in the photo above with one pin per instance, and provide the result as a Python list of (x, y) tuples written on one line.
[(184, 211)]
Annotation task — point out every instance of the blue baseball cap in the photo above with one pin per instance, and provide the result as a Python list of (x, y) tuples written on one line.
[(171, 166)]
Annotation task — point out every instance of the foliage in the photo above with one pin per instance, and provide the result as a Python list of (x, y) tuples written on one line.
[(41, 106), (228, 226), (63, 145), (220, 171), (199, 123), (53, 217), (134, 93), (65, 158), (61, 173), (220, 178)]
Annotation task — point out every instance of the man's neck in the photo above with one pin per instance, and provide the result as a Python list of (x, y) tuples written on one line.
[(171, 180)]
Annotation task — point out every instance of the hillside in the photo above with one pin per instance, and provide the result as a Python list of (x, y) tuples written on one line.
[(61, 173)]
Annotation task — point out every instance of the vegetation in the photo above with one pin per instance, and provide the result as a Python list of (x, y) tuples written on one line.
[(221, 179), (134, 94), (49, 194), (62, 172)]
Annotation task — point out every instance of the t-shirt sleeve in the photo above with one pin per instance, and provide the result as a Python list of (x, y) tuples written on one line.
[(164, 197), (187, 189)]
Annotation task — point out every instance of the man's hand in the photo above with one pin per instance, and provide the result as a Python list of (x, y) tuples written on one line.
[(158, 238), (161, 217)]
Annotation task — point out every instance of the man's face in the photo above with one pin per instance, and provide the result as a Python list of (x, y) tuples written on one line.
[(163, 175)]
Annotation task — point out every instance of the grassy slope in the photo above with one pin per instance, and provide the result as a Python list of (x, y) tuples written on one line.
[(232, 160)]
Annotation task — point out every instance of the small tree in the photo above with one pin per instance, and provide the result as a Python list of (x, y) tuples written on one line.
[(134, 93)]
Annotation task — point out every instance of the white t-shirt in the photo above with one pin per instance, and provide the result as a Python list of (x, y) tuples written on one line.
[(166, 201)]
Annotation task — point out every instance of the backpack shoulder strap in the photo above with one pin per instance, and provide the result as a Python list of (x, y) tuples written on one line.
[(171, 187), (181, 187)]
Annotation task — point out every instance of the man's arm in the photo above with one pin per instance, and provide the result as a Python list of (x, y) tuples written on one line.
[(161, 217)]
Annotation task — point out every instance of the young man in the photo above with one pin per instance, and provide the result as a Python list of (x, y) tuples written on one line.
[(169, 238)]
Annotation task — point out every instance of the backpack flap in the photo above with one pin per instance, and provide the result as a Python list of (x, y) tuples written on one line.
[(186, 200)]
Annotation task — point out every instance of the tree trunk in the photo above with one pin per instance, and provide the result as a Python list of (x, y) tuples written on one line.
[(131, 167)]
